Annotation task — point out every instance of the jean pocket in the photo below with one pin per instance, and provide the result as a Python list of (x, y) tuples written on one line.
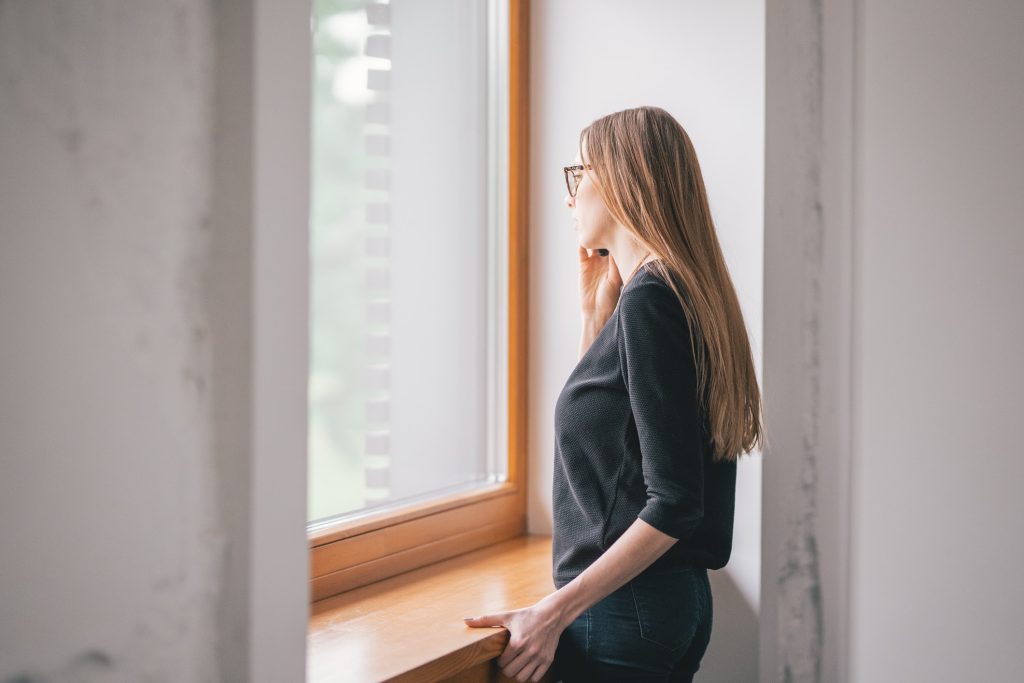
[(668, 606)]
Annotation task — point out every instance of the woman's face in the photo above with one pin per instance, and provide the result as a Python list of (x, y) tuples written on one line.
[(593, 223)]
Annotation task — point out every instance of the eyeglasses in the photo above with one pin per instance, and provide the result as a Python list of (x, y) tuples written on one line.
[(573, 177)]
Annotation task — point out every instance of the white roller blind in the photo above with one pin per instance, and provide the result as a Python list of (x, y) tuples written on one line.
[(409, 227)]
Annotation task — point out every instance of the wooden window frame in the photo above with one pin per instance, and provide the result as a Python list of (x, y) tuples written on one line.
[(350, 554)]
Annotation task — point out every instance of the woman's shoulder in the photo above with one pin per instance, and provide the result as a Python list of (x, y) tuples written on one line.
[(648, 283), (649, 304)]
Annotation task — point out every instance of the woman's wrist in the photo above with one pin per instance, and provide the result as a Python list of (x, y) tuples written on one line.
[(594, 319), (558, 604), (592, 324), (591, 328)]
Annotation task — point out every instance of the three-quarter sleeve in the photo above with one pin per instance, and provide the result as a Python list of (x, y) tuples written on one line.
[(661, 378)]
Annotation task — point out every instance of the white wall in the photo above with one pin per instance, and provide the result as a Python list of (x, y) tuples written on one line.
[(109, 515), (152, 478), (704, 63), (938, 324)]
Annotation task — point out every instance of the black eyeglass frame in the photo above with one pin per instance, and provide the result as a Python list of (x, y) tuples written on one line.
[(570, 171)]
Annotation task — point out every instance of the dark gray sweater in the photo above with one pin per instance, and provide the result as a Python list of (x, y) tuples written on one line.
[(631, 441)]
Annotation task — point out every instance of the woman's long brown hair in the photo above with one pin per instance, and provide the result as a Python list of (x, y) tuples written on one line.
[(646, 171)]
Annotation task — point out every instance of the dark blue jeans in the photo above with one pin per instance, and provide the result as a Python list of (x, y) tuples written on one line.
[(654, 628)]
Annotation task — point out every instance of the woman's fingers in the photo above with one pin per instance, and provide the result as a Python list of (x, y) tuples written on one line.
[(539, 672), (613, 272), (486, 620), (586, 254), (525, 666), (513, 659), (532, 643)]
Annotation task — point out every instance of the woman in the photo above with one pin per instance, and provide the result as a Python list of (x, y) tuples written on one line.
[(650, 423)]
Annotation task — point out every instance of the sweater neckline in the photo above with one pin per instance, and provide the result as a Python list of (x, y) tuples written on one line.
[(644, 268)]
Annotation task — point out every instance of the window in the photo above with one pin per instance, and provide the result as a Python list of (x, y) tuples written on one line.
[(417, 359)]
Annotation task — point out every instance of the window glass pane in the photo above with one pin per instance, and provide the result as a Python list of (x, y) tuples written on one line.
[(408, 251)]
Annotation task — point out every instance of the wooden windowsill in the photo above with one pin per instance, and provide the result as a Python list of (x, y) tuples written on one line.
[(409, 627)]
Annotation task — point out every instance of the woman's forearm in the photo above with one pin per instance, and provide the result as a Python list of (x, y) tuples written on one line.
[(591, 328), (634, 551)]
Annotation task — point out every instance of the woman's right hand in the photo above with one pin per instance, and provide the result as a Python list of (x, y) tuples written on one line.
[(600, 284)]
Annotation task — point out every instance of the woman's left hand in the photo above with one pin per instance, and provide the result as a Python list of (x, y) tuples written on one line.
[(535, 632)]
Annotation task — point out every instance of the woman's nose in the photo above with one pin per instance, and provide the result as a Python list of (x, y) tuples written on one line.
[(568, 200)]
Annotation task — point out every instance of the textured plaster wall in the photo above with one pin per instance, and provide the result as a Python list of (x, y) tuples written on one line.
[(113, 541), (807, 367), (796, 563)]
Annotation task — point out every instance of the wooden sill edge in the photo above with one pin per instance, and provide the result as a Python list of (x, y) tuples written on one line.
[(409, 626)]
